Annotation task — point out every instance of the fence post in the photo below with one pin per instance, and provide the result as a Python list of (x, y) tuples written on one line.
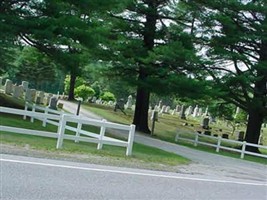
[(130, 140), (45, 119), (218, 144), (26, 109), (33, 110), (60, 131), (102, 133), (79, 127), (243, 149), (196, 140)]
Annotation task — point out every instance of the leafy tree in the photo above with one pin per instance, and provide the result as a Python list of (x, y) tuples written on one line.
[(84, 92), (234, 39)]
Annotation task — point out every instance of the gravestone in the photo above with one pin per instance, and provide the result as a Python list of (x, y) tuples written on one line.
[(53, 103), (111, 103), (25, 85), (119, 105), (205, 123), (33, 93), (41, 96), (241, 135), (129, 102), (189, 110), (178, 108), (28, 95), (38, 100), (8, 87), (163, 109), (17, 91), (47, 99), (160, 104), (195, 112), (182, 112), (167, 109), (93, 100)]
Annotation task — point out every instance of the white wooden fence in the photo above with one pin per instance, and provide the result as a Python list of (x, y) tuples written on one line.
[(218, 140), (60, 119)]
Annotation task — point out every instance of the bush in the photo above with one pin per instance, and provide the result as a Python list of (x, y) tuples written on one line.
[(84, 92), (108, 96)]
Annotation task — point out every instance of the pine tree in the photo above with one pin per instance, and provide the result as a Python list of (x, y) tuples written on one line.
[(234, 36)]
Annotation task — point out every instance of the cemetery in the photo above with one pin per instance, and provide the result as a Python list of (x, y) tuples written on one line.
[(178, 87), (188, 122)]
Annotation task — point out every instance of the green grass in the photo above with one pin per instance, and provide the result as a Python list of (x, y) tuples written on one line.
[(141, 153), (168, 125)]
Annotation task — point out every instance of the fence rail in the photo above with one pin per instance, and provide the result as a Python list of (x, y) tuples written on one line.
[(60, 119), (218, 143)]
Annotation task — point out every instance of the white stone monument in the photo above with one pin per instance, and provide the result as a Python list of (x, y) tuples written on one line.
[(25, 85), (8, 87)]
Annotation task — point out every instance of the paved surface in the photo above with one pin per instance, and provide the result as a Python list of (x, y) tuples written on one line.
[(204, 164), (32, 179)]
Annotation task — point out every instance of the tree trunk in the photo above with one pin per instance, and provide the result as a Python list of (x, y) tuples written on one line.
[(141, 110), (257, 110), (72, 86), (253, 131), (142, 96)]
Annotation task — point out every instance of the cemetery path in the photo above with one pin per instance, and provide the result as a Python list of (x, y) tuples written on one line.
[(203, 163)]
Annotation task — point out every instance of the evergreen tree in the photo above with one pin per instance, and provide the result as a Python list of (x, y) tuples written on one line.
[(234, 36), (143, 38), (66, 30)]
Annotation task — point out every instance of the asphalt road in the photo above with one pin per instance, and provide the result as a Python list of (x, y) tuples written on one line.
[(33, 179)]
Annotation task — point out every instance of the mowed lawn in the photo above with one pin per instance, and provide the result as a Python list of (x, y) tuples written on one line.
[(141, 154)]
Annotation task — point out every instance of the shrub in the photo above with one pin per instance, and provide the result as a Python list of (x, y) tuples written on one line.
[(84, 92), (108, 96)]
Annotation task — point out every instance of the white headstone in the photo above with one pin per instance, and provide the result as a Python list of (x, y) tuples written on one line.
[(25, 85), (167, 109), (163, 109), (28, 95), (178, 108), (189, 110), (18, 91), (33, 93), (195, 112), (41, 94), (160, 104), (8, 87), (129, 102)]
